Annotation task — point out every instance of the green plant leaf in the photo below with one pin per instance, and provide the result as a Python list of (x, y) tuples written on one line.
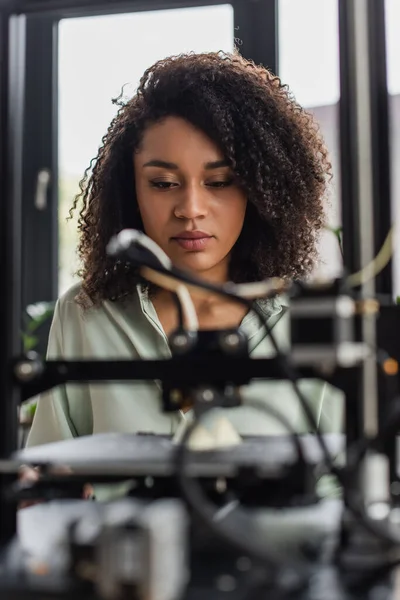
[(32, 326), (337, 232), (34, 316), (29, 342), (38, 320), (32, 409)]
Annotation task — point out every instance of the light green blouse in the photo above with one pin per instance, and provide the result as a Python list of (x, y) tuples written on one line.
[(133, 330)]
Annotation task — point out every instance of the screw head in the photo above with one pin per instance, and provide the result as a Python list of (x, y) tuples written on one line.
[(208, 395), (180, 340), (24, 371), (175, 396), (232, 340)]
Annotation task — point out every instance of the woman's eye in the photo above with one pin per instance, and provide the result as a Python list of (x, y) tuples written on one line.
[(162, 185), (220, 184)]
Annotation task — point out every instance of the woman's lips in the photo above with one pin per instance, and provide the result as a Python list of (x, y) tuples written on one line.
[(193, 241)]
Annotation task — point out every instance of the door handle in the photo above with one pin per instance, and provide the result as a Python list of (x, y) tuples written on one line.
[(42, 185)]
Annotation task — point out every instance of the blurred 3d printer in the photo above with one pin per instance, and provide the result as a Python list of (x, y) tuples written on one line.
[(248, 521)]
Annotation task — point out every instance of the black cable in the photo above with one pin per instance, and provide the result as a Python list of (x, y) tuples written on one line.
[(355, 507), (289, 373), (178, 305), (278, 416), (179, 310), (293, 377), (239, 533), (225, 291), (287, 370)]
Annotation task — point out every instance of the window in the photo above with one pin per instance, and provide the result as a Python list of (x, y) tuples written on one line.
[(97, 57), (309, 64), (392, 8)]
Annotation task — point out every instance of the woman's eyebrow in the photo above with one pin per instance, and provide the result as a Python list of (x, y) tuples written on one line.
[(217, 164), (161, 163)]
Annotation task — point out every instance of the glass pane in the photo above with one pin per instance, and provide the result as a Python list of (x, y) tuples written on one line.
[(309, 64), (97, 57), (393, 78)]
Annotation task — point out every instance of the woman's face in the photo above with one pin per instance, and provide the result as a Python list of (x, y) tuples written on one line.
[(189, 201)]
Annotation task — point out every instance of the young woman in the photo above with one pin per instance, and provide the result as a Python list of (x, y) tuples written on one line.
[(216, 162)]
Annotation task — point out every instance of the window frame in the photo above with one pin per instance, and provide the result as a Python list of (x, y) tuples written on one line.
[(40, 228), (380, 148)]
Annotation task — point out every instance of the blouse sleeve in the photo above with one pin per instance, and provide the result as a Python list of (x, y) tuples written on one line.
[(65, 411)]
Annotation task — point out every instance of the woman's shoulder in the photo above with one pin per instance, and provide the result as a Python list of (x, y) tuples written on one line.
[(76, 300), (68, 305), (76, 306), (70, 293), (76, 297), (87, 329)]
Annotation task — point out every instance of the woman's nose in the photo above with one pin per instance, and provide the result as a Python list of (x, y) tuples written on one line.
[(193, 204)]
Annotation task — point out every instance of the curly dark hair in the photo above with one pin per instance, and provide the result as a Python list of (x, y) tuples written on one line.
[(271, 143)]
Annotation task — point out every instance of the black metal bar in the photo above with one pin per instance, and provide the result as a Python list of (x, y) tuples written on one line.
[(256, 27), (40, 224), (359, 199), (379, 123), (76, 8), (380, 138), (389, 385), (182, 371), (191, 370), (11, 100), (348, 140)]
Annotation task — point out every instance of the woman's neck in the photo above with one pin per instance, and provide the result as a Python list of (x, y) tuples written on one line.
[(212, 312)]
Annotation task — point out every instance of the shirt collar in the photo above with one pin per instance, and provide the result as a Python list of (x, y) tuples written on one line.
[(250, 324)]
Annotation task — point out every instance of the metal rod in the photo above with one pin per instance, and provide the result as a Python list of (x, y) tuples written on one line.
[(360, 46), (348, 140), (358, 190), (366, 203), (78, 8), (11, 101), (189, 371), (381, 163)]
